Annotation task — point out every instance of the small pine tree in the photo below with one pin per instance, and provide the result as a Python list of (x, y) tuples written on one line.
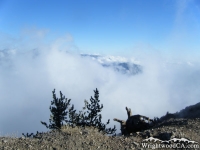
[(93, 109), (58, 111), (91, 117), (94, 118)]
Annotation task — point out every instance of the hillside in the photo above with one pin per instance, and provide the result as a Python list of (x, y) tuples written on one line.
[(192, 111), (89, 138)]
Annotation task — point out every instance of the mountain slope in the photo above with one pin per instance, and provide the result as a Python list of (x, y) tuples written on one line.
[(118, 64)]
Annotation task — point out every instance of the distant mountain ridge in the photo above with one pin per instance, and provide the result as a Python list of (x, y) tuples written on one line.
[(119, 64), (189, 112)]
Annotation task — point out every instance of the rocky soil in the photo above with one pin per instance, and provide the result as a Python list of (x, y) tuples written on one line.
[(90, 139)]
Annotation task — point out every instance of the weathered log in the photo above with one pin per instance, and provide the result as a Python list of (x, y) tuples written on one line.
[(134, 123)]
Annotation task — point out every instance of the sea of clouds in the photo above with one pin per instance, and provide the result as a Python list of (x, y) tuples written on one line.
[(29, 73)]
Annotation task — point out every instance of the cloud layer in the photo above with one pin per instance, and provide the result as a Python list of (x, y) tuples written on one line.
[(28, 78)]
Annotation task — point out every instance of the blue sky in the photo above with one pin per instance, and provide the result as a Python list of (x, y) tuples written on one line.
[(106, 26)]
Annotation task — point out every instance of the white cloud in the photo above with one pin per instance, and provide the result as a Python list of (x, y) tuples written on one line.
[(27, 83)]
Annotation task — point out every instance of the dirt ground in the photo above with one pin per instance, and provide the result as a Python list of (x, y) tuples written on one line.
[(90, 139)]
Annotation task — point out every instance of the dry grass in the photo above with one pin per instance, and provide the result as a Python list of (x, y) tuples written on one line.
[(89, 138)]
